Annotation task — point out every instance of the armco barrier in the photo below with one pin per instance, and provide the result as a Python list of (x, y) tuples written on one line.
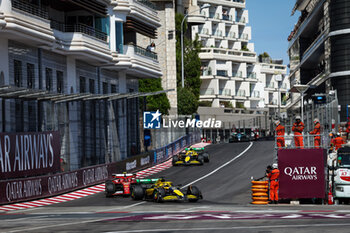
[(24, 189)]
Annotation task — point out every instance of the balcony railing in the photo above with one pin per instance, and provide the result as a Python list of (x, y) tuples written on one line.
[(144, 52), (238, 74), (241, 19), (241, 93), (208, 91), (252, 75), (229, 52), (273, 102), (30, 8), (206, 72), (222, 73), (79, 28), (225, 92), (147, 3), (231, 35), (255, 94), (204, 31), (270, 85), (218, 33), (244, 36)]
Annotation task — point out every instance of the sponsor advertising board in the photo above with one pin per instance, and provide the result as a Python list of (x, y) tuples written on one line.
[(302, 173), (29, 154)]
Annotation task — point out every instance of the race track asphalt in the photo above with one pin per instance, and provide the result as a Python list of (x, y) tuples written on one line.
[(225, 185)]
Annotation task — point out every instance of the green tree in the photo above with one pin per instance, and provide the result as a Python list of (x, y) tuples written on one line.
[(155, 102), (192, 68), (189, 102)]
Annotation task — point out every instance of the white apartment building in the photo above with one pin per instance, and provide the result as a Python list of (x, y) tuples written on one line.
[(229, 70), (72, 66), (273, 76)]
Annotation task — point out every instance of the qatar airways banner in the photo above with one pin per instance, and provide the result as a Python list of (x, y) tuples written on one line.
[(302, 173), (29, 154)]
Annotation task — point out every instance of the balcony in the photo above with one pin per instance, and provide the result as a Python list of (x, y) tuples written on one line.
[(237, 75), (244, 36), (270, 85), (80, 28), (231, 35), (241, 19), (137, 61), (225, 92), (222, 73), (142, 11), (227, 54), (27, 23), (204, 31), (218, 33), (252, 75), (214, 15), (206, 72), (255, 94), (208, 91), (229, 3), (147, 3), (274, 68), (240, 93), (30, 8)]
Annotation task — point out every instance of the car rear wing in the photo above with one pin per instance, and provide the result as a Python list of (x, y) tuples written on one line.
[(147, 181), (195, 148), (123, 175)]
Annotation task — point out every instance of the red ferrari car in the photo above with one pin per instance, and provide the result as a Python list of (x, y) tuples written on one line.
[(120, 185)]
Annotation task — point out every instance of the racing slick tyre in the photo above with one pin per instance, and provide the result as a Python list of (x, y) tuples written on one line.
[(137, 192), (200, 159), (175, 159), (110, 188), (158, 195), (205, 157), (193, 190)]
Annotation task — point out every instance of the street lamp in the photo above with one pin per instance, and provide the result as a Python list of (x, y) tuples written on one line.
[(207, 5), (301, 89)]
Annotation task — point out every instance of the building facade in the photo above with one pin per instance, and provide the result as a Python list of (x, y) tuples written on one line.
[(319, 51), (77, 65)]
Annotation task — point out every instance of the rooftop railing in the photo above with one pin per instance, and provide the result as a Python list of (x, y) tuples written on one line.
[(30, 8)]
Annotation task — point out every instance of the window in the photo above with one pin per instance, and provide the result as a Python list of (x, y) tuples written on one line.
[(119, 36), (59, 77), (82, 85), (92, 86), (48, 75), (18, 72), (30, 75), (113, 89), (105, 88)]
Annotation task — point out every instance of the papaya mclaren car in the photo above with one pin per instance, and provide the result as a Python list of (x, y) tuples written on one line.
[(191, 156), (120, 185), (159, 190)]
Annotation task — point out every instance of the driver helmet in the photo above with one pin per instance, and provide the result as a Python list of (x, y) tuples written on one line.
[(274, 166), (338, 134), (297, 118), (316, 120), (277, 122)]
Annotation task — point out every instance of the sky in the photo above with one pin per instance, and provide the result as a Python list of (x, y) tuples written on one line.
[(271, 24)]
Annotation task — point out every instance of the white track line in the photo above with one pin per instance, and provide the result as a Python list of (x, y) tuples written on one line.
[(222, 166), (236, 228)]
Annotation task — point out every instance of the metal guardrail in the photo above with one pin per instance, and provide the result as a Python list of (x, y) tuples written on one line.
[(79, 28), (30, 8), (308, 141)]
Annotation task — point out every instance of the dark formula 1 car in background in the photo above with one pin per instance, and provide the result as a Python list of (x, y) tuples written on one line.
[(239, 137), (120, 185), (159, 190), (191, 156)]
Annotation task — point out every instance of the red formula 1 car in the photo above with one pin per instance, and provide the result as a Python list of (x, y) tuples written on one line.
[(120, 185)]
